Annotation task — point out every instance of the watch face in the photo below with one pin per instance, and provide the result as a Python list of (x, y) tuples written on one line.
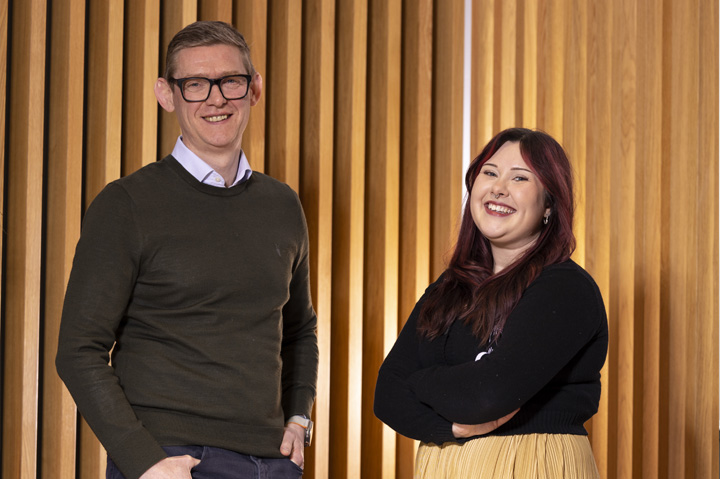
[(308, 433)]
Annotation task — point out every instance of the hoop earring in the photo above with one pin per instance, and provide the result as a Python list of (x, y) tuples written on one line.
[(546, 219)]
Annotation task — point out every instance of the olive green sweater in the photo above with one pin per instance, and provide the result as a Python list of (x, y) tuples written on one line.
[(204, 293)]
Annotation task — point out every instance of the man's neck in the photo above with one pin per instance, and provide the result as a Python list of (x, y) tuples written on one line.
[(226, 166), (224, 162)]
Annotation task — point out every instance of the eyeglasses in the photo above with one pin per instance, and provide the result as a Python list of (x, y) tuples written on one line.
[(197, 89)]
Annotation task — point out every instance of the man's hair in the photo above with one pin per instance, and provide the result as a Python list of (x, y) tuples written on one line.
[(202, 34)]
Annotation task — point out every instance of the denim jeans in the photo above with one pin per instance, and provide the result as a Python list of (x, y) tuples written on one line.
[(216, 463)]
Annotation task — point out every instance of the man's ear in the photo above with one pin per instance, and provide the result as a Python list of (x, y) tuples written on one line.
[(255, 89), (164, 94)]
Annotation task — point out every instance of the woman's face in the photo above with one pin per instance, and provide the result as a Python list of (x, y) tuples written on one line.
[(508, 202)]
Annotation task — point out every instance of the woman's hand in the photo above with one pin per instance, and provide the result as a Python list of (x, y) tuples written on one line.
[(470, 430)]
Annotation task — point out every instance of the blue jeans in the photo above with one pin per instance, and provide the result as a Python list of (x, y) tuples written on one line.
[(216, 463)]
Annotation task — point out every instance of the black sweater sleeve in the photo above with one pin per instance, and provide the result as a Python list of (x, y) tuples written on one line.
[(395, 402), (299, 345), (558, 316), (104, 271)]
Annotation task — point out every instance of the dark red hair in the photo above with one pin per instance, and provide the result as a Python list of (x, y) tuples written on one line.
[(469, 290)]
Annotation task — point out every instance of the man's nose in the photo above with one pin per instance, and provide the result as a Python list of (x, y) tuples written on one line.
[(216, 97)]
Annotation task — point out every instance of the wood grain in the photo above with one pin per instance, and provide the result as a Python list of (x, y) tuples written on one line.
[(348, 246), (24, 243), (316, 194), (64, 206)]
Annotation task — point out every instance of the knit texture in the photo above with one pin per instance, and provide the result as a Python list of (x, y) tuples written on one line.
[(547, 363), (206, 291)]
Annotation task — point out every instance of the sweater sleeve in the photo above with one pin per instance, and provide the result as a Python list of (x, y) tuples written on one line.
[(557, 317), (396, 404), (103, 275), (299, 346)]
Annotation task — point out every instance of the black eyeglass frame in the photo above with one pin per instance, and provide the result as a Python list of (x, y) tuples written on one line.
[(213, 81)]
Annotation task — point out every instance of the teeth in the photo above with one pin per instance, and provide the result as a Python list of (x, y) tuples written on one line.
[(500, 209), (216, 118)]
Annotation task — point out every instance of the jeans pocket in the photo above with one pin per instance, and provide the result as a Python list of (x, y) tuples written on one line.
[(296, 467)]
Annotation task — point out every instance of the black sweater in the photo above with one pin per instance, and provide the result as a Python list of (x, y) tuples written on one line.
[(206, 291), (547, 363)]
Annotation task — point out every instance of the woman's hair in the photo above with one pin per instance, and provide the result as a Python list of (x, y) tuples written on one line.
[(469, 290), (203, 34)]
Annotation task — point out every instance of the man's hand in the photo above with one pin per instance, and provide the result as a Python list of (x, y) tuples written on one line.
[(470, 430), (293, 444), (176, 467)]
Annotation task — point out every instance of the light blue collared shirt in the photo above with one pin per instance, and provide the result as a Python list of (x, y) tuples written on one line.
[(203, 172)]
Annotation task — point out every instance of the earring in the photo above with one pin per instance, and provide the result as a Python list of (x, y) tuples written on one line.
[(545, 219)]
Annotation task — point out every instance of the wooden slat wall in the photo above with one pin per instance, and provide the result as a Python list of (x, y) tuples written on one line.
[(626, 87), (361, 113)]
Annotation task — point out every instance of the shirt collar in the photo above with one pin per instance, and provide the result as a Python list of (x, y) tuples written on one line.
[(203, 172)]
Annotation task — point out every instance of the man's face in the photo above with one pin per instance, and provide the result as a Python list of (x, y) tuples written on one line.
[(215, 126)]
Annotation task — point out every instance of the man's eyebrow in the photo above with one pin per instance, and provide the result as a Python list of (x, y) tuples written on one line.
[(223, 74)]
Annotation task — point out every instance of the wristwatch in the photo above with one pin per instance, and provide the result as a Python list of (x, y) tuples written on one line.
[(304, 422)]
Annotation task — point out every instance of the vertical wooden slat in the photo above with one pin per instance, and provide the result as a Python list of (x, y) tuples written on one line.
[(575, 113), (63, 209), (103, 146), (24, 232), (551, 45), (381, 225), (482, 74), (316, 193), (142, 37), (3, 85), (686, 111), (283, 80), (103, 128), (416, 148), (598, 194), (622, 223), (174, 17), (683, 160), (215, 10), (447, 181), (528, 19), (706, 336), (664, 447), (251, 20), (348, 239), (649, 202), (505, 67)]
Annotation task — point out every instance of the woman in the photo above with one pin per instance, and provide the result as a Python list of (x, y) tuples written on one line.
[(511, 338)]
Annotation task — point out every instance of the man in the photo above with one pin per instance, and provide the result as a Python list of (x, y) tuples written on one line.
[(194, 272)]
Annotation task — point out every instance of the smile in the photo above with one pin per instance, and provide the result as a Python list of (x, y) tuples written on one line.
[(216, 118), (505, 210)]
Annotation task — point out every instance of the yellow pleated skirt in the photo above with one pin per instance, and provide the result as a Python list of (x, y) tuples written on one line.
[(527, 456)]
